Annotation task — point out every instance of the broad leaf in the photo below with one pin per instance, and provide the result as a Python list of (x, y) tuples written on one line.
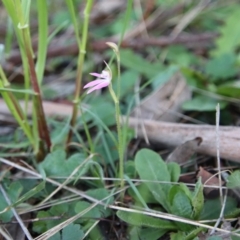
[(102, 193), (56, 164), (26, 196), (13, 192), (73, 232), (212, 208), (137, 63), (144, 192), (230, 34), (222, 67), (181, 206), (177, 236), (230, 89), (151, 167), (234, 180), (90, 214), (142, 220), (202, 103)]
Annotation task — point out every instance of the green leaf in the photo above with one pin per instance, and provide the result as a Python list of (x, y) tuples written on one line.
[(21, 91), (230, 89), (73, 232), (175, 188), (229, 39), (135, 233), (137, 194), (142, 220), (56, 164), (41, 226), (163, 76), (212, 208), (233, 180), (42, 6), (89, 215), (26, 196), (174, 170), (13, 192), (107, 149), (135, 62), (186, 190), (181, 206), (128, 80), (202, 104), (222, 67), (197, 199), (233, 213), (177, 236), (193, 234), (101, 193), (181, 56), (56, 236), (149, 233), (144, 192), (150, 166), (138, 233), (57, 210), (58, 135), (104, 110), (129, 169)]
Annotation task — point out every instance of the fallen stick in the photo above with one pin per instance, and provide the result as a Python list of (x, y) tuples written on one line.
[(170, 134), (175, 134)]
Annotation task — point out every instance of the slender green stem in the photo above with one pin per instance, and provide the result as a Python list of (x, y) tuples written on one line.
[(120, 136), (42, 38), (87, 132), (9, 36), (118, 113), (17, 113), (120, 145), (19, 11), (81, 58)]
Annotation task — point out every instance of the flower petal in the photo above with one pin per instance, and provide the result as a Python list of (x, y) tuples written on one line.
[(93, 83), (96, 75), (99, 86)]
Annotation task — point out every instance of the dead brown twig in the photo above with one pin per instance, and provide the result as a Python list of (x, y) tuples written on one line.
[(170, 134), (175, 134), (202, 40)]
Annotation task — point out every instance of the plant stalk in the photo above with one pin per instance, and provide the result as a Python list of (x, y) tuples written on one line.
[(41, 120), (81, 58)]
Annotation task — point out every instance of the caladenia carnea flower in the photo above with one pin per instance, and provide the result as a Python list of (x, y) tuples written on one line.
[(103, 80)]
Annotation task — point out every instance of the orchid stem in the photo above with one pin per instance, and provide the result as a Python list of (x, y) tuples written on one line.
[(118, 116)]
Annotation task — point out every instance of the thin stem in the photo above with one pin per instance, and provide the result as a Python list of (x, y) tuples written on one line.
[(42, 38), (87, 133), (118, 114), (16, 111), (81, 58), (119, 128), (120, 145), (42, 125)]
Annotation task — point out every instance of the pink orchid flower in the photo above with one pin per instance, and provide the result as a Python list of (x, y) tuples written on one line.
[(102, 81)]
